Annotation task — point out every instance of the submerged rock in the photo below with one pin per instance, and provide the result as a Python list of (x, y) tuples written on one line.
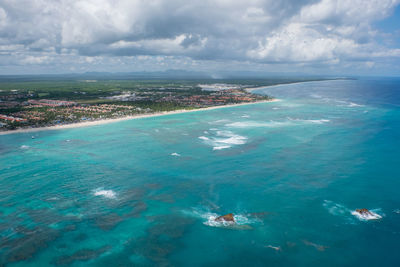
[(226, 218)]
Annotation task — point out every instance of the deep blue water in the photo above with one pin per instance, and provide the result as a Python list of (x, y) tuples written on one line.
[(145, 192)]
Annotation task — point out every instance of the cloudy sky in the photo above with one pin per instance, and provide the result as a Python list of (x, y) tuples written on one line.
[(272, 36)]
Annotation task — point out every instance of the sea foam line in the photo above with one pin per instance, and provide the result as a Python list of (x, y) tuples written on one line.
[(275, 124)]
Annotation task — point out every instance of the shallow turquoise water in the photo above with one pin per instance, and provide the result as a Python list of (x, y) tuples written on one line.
[(144, 192)]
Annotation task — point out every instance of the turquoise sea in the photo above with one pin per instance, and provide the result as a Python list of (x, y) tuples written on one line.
[(144, 192)]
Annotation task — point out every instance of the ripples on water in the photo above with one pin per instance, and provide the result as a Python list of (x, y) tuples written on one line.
[(140, 193)]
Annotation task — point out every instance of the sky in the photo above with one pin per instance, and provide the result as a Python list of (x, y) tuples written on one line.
[(335, 37)]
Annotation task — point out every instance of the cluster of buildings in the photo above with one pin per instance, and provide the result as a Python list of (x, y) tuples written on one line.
[(52, 103), (216, 98), (70, 112), (41, 112), (104, 108), (11, 118)]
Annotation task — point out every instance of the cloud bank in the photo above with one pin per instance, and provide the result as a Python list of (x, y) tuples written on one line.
[(123, 35)]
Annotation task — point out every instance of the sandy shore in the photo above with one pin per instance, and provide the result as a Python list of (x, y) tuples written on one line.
[(251, 89), (105, 121)]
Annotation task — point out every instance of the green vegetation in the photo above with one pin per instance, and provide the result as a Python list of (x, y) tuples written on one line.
[(34, 102)]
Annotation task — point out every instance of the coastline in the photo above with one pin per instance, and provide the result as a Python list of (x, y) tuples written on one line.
[(141, 116), (251, 89)]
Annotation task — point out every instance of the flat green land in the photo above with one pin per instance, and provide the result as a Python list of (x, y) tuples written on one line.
[(98, 98)]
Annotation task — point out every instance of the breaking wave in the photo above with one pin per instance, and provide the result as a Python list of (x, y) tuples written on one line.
[(351, 104), (372, 215), (338, 209), (223, 139), (242, 221), (104, 193), (253, 124), (347, 103), (275, 124), (321, 121), (220, 147), (218, 121)]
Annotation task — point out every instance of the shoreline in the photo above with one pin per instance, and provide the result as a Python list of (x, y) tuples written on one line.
[(140, 116), (251, 89)]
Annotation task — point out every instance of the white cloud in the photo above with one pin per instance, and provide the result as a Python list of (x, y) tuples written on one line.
[(329, 30), (258, 31), (3, 18), (35, 60)]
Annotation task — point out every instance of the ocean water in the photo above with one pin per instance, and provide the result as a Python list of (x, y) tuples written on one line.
[(145, 192)]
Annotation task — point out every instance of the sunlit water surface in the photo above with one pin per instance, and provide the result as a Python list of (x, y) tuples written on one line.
[(145, 192)]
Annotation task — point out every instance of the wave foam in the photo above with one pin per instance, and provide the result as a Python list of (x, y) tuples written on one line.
[(175, 154), (252, 124), (352, 104), (372, 215), (347, 103), (24, 147), (321, 121), (232, 138), (223, 140), (105, 193), (218, 122), (220, 147), (334, 208), (274, 124), (276, 248), (338, 209), (241, 220)]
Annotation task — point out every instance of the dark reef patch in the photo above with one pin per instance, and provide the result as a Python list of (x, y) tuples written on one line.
[(80, 255), (44, 216), (129, 197), (162, 238), (137, 210), (167, 198), (25, 247), (153, 186), (107, 222), (81, 237)]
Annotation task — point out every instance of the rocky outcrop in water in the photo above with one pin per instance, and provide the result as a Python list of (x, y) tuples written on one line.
[(226, 218), (364, 212)]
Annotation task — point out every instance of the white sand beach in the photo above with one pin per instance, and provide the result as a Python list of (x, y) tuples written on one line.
[(139, 116)]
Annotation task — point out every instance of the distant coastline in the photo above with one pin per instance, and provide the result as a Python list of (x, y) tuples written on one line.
[(141, 116), (155, 114), (251, 89)]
